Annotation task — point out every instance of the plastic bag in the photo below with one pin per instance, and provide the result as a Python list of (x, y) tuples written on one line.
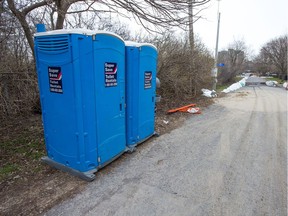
[(194, 110), (271, 83), (236, 86), (208, 93)]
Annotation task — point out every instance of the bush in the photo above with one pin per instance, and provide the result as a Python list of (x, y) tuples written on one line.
[(18, 86), (180, 76)]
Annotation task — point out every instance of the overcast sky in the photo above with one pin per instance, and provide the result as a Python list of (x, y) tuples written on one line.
[(255, 21)]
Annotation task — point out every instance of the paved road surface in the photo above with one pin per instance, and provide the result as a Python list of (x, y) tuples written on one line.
[(230, 160), (255, 80)]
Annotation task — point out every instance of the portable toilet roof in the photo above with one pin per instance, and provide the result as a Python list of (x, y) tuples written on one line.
[(136, 44), (76, 31)]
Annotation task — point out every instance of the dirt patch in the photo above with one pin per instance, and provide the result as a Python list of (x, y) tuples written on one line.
[(29, 187), (164, 122), (35, 194), (242, 94)]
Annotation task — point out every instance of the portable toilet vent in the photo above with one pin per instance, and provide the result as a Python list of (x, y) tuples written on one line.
[(141, 66), (81, 81)]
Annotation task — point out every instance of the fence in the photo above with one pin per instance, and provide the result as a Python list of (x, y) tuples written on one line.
[(18, 93)]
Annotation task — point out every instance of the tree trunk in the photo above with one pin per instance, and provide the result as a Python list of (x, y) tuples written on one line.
[(192, 47), (191, 30), (22, 19), (62, 10)]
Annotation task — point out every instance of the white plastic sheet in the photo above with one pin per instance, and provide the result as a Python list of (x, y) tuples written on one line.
[(235, 86), (194, 110), (208, 93), (271, 83)]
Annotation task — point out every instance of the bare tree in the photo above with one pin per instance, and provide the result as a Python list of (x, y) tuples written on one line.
[(18, 81), (193, 17), (173, 66), (18, 86), (234, 60), (118, 28), (274, 53), (164, 13), (262, 65)]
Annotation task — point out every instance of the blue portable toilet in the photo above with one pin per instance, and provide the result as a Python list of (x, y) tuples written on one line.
[(141, 66), (82, 93)]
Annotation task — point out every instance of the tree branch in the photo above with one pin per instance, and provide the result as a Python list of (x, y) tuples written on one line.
[(22, 19), (28, 9)]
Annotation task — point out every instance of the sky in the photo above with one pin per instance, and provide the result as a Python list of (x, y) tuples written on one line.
[(254, 21)]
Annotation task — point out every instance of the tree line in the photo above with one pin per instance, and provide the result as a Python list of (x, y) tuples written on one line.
[(237, 58), (18, 87), (184, 62)]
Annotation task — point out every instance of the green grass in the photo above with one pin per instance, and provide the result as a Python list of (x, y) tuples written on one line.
[(36, 155), (220, 88), (280, 81), (21, 152), (21, 145), (8, 169), (238, 78)]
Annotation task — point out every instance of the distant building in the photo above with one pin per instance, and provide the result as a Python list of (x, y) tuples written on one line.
[(231, 57)]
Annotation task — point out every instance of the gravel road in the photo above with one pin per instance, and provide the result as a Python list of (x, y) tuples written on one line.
[(230, 160)]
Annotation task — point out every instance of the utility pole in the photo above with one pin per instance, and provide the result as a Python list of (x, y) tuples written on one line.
[(215, 69)]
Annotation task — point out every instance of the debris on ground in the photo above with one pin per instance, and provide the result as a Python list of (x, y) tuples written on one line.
[(271, 83), (30, 188), (194, 110), (209, 93), (236, 86), (165, 122), (181, 109), (188, 108)]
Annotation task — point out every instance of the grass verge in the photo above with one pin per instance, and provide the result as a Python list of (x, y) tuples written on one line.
[(280, 81), (21, 147)]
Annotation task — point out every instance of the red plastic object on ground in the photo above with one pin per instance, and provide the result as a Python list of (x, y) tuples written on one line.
[(181, 109)]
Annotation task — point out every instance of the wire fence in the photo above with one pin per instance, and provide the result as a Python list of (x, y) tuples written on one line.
[(18, 93)]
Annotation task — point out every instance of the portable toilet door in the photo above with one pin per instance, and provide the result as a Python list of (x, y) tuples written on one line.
[(141, 66), (109, 69), (147, 90), (69, 83)]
